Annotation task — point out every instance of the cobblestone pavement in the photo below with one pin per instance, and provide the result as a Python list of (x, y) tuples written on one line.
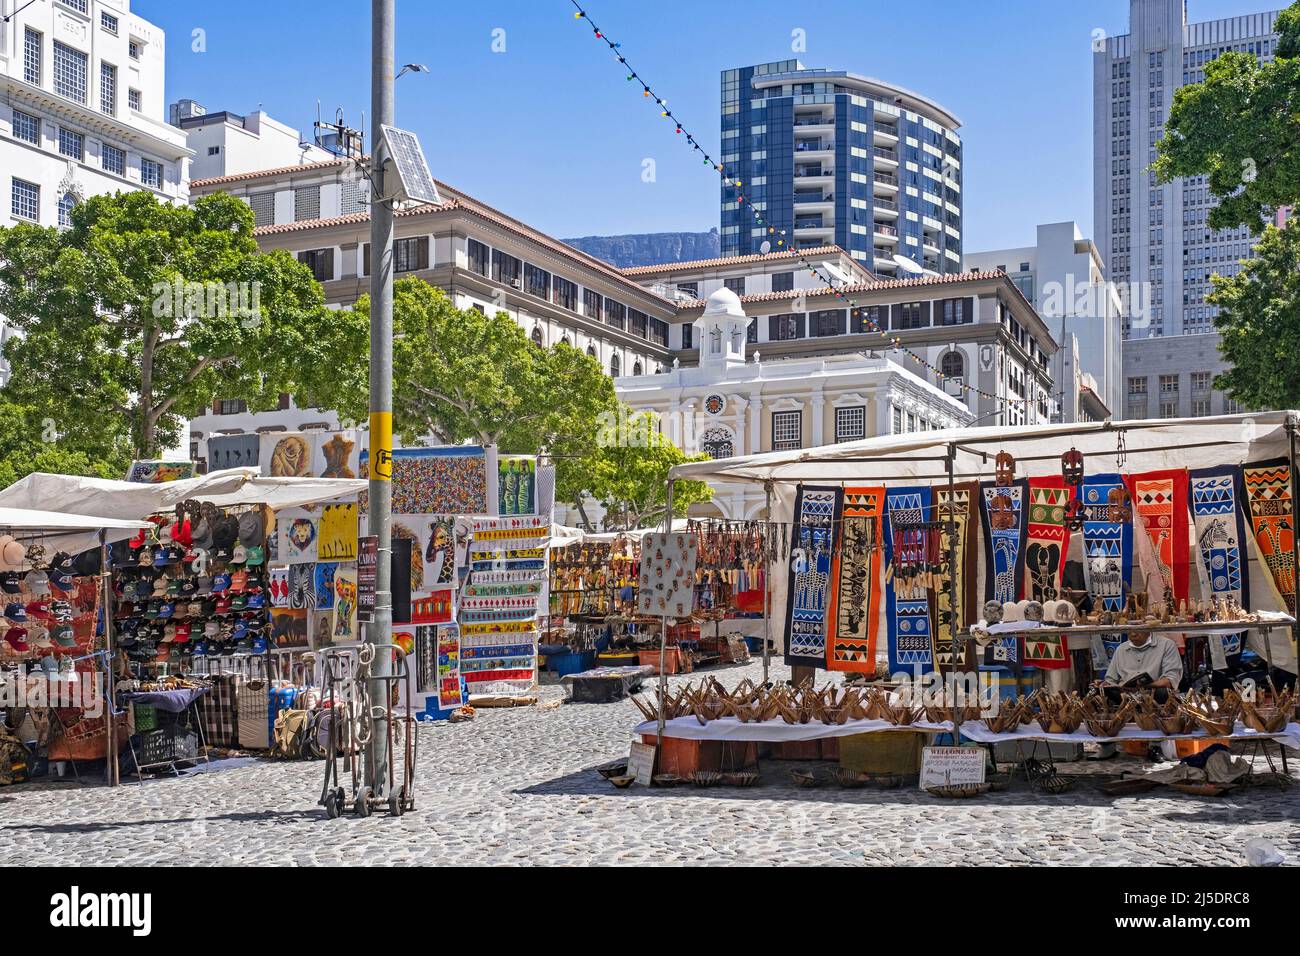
[(517, 787)]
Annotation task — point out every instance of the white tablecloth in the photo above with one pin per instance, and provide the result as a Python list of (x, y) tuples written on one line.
[(777, 730), (978, 732)]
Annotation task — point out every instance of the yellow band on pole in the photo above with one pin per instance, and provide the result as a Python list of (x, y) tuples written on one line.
[(381, 445)]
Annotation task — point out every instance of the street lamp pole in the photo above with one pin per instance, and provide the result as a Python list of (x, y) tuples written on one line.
[(379, 631)]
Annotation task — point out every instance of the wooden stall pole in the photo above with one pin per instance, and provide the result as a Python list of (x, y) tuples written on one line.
[(768, 551), (111, 770), (1295, 535), (951, 527), (663, 627)]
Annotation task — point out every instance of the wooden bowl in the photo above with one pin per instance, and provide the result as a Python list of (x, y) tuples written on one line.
[(622, 781), (744, 778), (706, 778), (850, 779)]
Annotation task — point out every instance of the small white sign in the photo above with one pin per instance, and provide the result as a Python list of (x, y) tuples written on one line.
[(641, 764), (942, 766)]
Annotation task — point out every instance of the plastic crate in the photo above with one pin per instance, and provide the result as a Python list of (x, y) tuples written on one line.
[(146, 717), (563, 664), (167, 744)]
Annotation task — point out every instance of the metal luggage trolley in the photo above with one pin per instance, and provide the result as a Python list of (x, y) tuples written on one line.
[(346, 697)]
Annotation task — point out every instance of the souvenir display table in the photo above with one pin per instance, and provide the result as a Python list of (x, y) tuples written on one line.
[(778, 731)]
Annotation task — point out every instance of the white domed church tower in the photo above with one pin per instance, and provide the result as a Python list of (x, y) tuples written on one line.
[(722, 331)]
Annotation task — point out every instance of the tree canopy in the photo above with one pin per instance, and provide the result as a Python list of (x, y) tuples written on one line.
[(1259, 318), (1240, 128), (467, 376), (140, 313)]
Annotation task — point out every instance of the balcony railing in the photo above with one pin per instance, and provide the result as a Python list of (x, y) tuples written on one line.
[(882, 153), (809, 172), (885, 230), (813, 222), (810, 146), (889, 179), (885, 204)]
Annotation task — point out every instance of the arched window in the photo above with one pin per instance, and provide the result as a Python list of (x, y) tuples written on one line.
[(66, 202), (615, 369), (716, 443), (537, 335), (636, 369), (953, 365), (591, 350), (567, 341)]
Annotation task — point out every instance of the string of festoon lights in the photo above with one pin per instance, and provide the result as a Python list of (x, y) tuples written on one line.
[(778, 235)]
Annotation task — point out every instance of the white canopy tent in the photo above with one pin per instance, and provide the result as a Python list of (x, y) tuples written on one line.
[(1147, 445), (967, 454), (64, 532), (75, 495)]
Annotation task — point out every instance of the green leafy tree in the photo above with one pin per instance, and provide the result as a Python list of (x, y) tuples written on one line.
[(465, 376), (1240, 128), (141, 312), (29, 443), (629, 475), (1259, 318)]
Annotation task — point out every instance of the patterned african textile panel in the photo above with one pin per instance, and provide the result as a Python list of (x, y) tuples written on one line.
[(1003, 515), (958, 506), (907, 608), (1046, 544), (1268, 495), (855, 576), (1218, 503), (1160, 504), (817, 515), (1107, 550)]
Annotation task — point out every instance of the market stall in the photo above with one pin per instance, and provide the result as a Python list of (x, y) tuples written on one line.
[(595, 590), (200, 606), (1036, 554), (54, 658)]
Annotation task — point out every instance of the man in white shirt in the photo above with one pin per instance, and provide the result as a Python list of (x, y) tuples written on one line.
[(1145, 661)]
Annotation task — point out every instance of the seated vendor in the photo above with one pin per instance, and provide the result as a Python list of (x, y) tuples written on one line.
[(1144, 662)]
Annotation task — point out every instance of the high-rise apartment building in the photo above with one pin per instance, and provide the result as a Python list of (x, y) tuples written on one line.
[(833, 157), (1154, 237)]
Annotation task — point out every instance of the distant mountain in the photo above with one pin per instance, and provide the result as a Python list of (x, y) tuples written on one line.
[(650, 248)]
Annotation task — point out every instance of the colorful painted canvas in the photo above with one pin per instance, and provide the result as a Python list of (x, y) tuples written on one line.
[(337, 538), (449, 479), (286, 455), (296, 535), (289, 628), (344, 628), (517, 485)]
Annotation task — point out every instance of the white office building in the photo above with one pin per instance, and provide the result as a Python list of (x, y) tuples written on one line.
[(226, 144), (82, 111), (1063, 277), (1153, 237)]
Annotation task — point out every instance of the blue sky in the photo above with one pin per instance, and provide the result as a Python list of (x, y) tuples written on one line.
[(551, 132)]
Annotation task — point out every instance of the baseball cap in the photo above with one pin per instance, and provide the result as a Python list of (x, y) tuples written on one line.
[(238, 554), (38, 582), (220, 582), (256, 555), (239, 581), (16, 612), (17, 638), (10, 582)]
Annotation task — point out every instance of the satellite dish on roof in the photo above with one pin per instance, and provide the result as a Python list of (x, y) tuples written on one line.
[(907, 265)]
